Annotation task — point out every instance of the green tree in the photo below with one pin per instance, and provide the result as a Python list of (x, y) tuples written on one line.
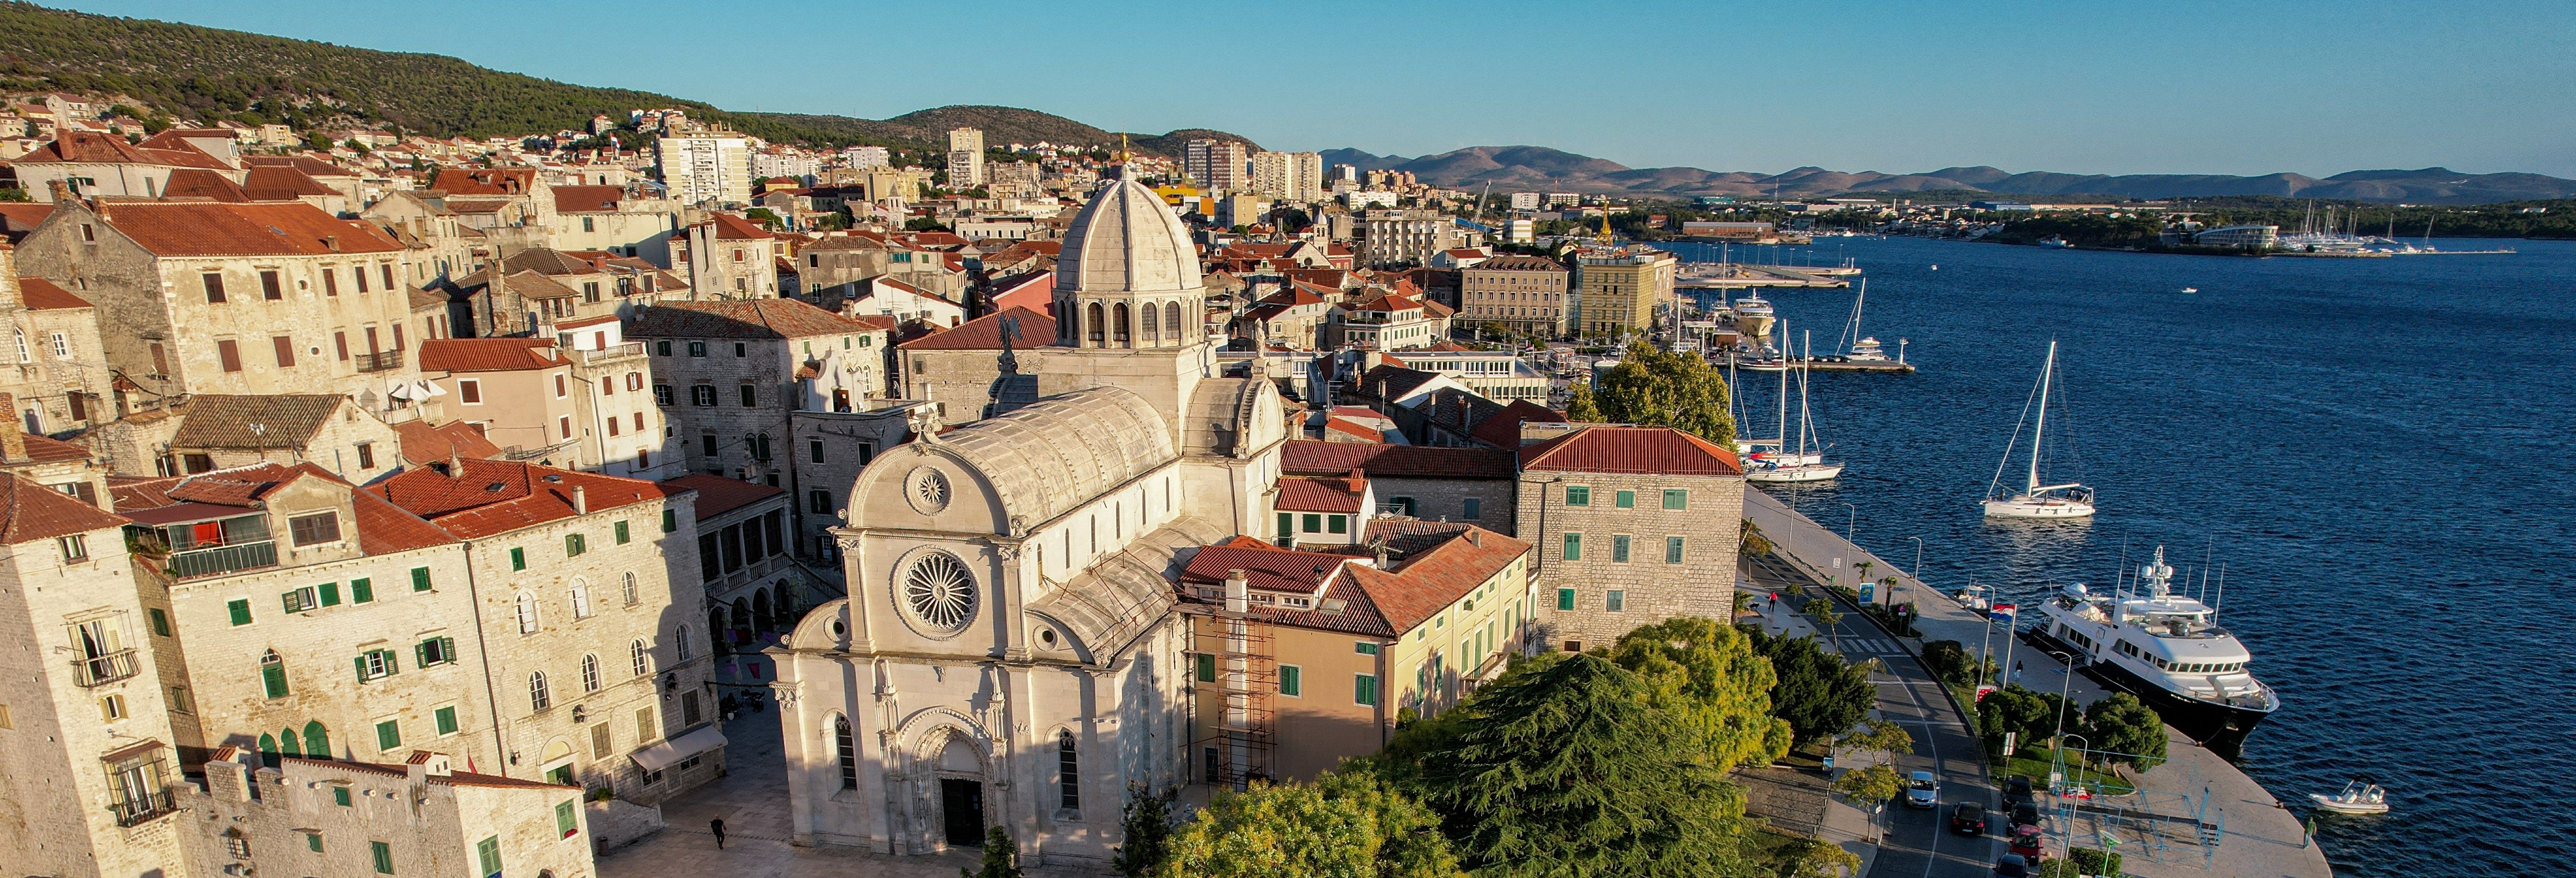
[(1818, 858), (1816, 692), (1580, 406), (1664, 389), (1870, 785), (1001, 857), (1752, 544), (1709, 667), (1822, 610), (923, 224), (768, 219), (1345, 825), (2030, 715), (1878, 736), (1949, 660), (1147, 826), (2122, 724), (1571, 765)]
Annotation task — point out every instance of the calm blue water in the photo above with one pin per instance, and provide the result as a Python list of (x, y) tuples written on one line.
[(2376, 449)]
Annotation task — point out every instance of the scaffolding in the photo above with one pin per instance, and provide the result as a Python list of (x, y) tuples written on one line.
[(1234, 675)]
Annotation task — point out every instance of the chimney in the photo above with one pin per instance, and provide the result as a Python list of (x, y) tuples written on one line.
[(1358, 480), (10, 295), (1475, 536), (580, 501), (1238, 591), (61, 190), (331, 241), (455, 462), (13, 436)]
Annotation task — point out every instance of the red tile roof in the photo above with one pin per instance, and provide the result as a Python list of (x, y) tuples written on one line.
[(741, 318), (1314, 458), (587, 199), (200, 228), (985, 333), (486, 181), (1428, 582), (312, 167), (97, 147), (281, 183), (30, 512), (1349, 427), (718, 495), (1314, 494), (202, 183), (422, 443), (487, 355), (734, 228), (1621, 448), (494, 497), (384, 528), (42, 295), (1503, 430)]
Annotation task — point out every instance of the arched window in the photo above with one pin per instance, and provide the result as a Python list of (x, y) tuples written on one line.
[(527, 610), (268, 753), (629, 588), (680, 643), (1068, 773), (590, 673), (847, 749), (317, 740), (1092, 322), (1153, 328), (538, 697), (1120, 330), (1172, 321), (1062, 311), (580, 599), (272, 675), (286, 743), (643, 658)]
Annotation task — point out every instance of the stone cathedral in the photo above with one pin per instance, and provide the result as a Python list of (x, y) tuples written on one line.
[(1008, 653)]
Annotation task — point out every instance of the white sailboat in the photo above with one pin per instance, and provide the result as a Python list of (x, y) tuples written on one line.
[(2070, 500), (1856, 347), (1804, 465)]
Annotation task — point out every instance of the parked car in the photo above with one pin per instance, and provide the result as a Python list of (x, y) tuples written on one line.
[(2016, 790), (2012, 866), (2025, 814), (1968, 818), (1921, 791), (2029, 843)]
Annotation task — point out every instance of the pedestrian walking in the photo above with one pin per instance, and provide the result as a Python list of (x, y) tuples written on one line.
[(717, 826)]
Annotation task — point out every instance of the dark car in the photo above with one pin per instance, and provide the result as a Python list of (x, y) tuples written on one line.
[(2012, 866), (2025, 814), (1968, 818), (2016, 790)]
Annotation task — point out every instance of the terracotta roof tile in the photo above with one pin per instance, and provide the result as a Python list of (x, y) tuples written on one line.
[(1503, 430), (1428, 582), (305, 162), (103, 148), (384, 528), (740, 318), (587, 199), (31, 512), (202, 183), (487, 355), (1621, 448), (1316, 494), (1275, 569), (1314, 458), (985, 333), (422, 443), (495, 497), (718, 495), (42, 295), (284, 420), (200, 228)]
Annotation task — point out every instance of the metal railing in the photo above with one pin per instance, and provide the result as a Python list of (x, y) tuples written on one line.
[(142, 808), (107, 668), (379, 362), (223, 559)]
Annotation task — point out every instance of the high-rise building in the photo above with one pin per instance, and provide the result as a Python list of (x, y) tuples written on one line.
[(1525, 201), (703, 169), (1292, 176), (1216, 164), (965, 158), (865, 156)]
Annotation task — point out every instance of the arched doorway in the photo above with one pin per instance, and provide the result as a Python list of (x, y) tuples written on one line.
[(761, 614), (558, 762), (961, 792)]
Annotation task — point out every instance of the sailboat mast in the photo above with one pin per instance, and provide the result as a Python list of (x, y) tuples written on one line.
[(2041, 428), (1784, 393), (1805, 426)]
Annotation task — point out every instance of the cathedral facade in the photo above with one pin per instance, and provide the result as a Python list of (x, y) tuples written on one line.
[(1009, 653)]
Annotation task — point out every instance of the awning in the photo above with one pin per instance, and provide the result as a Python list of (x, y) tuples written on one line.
[(669, 753)]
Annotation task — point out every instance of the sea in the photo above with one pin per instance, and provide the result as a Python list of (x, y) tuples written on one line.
[(2374, 454)]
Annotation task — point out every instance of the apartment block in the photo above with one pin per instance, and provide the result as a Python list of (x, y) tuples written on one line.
[(703, 170), (965, 158), (1617, 291), (1525, 294)]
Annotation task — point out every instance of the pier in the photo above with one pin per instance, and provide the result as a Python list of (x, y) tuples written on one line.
[(1738, 276), (2192, 816), (1821, 364)]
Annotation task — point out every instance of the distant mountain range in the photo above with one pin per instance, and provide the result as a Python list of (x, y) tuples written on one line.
[(208, 74), (1527, 168)]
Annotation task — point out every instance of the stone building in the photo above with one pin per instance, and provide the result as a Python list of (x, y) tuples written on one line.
[(1525, 294), (730, 258), (1469, 485), (585, 404), (725, 375), (614, 219), (960, 371), (85, 755), (221, 431), (1007, 652), (602, 670), (417, 816), (746, 559), (209, 297), (95, 163), (62, 363), (1634, 525)]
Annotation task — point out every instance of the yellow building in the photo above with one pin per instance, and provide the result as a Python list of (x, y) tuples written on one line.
[(1300, 660), (1617, 290)]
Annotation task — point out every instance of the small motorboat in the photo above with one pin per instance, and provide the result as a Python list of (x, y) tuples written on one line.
[(2357, 798), (2191, 289)]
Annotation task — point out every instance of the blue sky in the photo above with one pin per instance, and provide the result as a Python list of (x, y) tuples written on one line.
[(2244, 87)]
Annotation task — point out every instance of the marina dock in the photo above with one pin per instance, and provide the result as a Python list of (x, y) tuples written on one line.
[(1738, 275), (2194, 815), (1823, 365)]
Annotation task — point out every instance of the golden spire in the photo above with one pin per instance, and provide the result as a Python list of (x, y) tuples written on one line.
[(1606, 237)]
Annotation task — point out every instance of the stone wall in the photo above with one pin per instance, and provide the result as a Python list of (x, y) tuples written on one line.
[(616, 823), (1649, 589)]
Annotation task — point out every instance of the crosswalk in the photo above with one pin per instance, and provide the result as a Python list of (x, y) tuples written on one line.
[(1858, 645)]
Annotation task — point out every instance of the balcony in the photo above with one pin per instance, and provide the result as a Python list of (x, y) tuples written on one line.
[(611, 352), (103, 669), (141, 808), (223, 559), (380, 362)]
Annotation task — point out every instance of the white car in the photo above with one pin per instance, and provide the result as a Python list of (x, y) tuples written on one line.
[(1921, 791)]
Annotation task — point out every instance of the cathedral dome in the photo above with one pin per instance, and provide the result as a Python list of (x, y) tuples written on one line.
[(1127, 241)]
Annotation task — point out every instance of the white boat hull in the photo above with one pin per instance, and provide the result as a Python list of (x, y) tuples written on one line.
[(2342, 806), (1806, 472), (2029, 507)]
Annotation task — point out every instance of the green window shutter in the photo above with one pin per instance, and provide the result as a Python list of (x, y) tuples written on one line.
[(420, 579), (313, 842), (393, 662), (1565, 599), (160, 622), (1340, 524), (1578, 495), (1676, 498), (1314, 523), (488, 851), (287, 600), (240, 611), (447, 648), (362, 591), (1287, 524), (1207, 668), (420, 652), (1573, 547), (384, 856), (518, 559), (1364, 648), (330, 594), (565, 822), (1624, 500), (1364, 689), (670, 520), (340, 796), (1288, 682), (622, 536), (1672, 550), (272, 679), (1619, 548), (446, 717), (388, 735), (362, 667)]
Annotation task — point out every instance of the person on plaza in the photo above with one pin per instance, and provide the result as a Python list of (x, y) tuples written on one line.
[(717, 826)]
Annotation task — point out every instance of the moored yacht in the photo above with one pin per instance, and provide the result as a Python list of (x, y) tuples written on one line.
[(2168, 649), (1867, 350)]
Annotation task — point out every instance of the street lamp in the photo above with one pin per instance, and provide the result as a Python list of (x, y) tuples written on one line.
[(2067, 667), (1917, 573)]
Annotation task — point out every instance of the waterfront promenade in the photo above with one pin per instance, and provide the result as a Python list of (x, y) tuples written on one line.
[(2257, 838)]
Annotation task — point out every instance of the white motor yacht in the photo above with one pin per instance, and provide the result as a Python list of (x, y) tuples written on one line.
[(1868, 350), (2166, 648)]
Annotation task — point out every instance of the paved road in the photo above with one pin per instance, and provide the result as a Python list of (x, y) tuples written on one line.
[(1918, 843)]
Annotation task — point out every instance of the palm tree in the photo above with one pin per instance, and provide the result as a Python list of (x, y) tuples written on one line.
[(1823, 611)]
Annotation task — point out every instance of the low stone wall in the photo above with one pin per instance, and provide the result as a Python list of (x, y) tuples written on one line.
[(615, 823)]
